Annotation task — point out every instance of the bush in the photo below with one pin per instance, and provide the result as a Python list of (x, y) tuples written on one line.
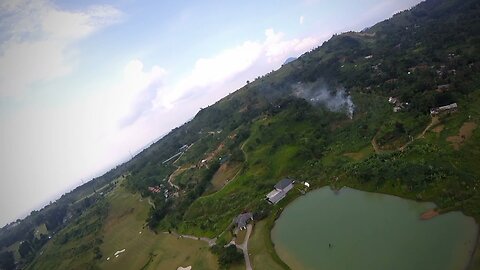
[(227, 256)]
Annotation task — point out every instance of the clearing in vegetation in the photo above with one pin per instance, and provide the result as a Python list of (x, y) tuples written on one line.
[(464, 134), (224, 174), (438, 129)]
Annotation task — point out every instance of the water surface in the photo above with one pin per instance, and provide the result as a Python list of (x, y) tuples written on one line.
[(361, 230)]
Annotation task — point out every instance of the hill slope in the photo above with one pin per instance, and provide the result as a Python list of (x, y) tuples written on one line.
[(325, 118)]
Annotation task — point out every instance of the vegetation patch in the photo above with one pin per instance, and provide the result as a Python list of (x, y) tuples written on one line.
[(227, 256), (438, 129), (224, 174), (78, 245), (143, 248), (464, 134)]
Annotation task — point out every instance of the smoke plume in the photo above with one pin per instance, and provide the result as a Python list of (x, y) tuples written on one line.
[(335, 99)]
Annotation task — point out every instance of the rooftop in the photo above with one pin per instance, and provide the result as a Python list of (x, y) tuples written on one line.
[(242, 219), (276, 196), (282, 184)]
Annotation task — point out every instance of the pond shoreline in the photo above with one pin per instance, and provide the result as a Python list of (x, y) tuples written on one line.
[(429, 214), (426, 215), (475, 249)]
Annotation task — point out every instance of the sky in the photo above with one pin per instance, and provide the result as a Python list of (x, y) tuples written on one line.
[(86, 84)]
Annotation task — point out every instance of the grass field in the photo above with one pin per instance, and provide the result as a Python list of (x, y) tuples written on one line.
[(121, 226), (146, 250), (42, 229), (74, 246), (360, 155), (14, 249), (260, 249)]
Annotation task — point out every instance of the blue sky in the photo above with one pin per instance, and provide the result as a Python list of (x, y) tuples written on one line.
[(84, 83)]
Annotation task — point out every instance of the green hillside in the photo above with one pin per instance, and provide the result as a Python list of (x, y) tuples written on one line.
[(324, 118)]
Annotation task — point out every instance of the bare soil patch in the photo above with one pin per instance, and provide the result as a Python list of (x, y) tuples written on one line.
[(438, 129), (355, 155), (225, 173), (429, 214), (464, 134)]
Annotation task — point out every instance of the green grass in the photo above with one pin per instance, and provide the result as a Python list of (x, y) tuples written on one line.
[(360, 155), (41, 229), (261, 249), (305, 146), (225, 173), (14, 249), (240, 237), (261, 245), (273, 152), (73, 247), (117, 230), (146, 250), (210, 215)]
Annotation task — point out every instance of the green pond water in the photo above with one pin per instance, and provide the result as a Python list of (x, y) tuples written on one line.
[(370, 231)]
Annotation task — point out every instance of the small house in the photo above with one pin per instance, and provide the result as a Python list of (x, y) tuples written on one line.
[(280, 191), (443, 88), (392, 100), (242, 220), (284, 185), (447, 108)]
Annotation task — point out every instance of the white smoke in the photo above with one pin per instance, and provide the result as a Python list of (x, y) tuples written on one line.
[(335, 99)]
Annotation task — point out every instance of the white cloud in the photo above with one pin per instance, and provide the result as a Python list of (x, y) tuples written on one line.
[(301, 19), (36, 41), (136, 92), (230, 68), (209, 71), (277, 49)]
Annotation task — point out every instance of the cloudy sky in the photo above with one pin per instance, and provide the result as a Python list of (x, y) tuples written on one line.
[(85, 83)]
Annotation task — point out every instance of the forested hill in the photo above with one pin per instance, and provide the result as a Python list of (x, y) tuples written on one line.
[(324, 118)]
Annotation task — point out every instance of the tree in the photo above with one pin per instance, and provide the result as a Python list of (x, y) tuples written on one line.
[(25, 249), (399, 128), (7, 261), (98, 253), (227, 256)]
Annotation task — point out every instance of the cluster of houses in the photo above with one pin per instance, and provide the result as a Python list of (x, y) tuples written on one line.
[(155, 189), (278, 193), (443, 88), (397, 104), (158, 189), (439, 70)]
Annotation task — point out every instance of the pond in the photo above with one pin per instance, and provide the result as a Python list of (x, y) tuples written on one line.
[(352, 229)]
